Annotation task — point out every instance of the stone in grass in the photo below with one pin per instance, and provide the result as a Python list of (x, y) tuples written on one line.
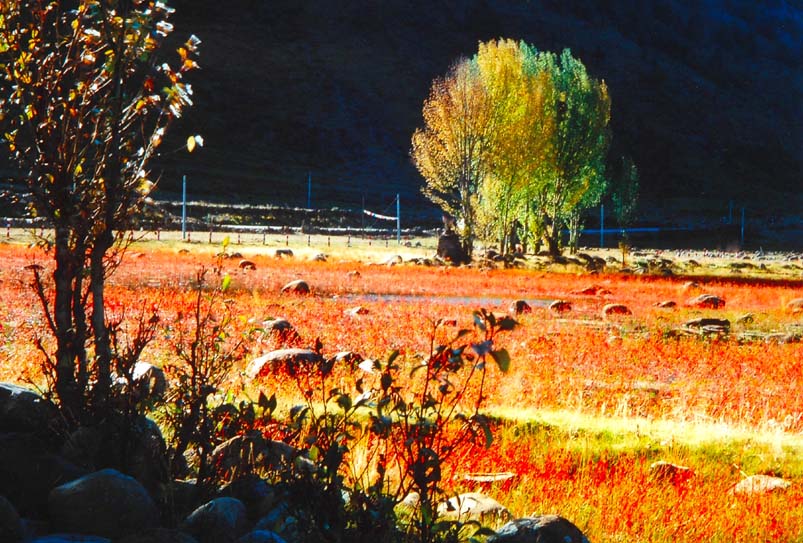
[(299, 286), (706, 301), (220, 520), (560, 306), (519, 306), (611, 310), (474, 506), (760, 484), (539, 529), (795, 305), (105, 503), (281, 359)]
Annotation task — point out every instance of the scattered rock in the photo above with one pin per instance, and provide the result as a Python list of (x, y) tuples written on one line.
[(611, 310), (593, 290), (353, 274), (690, 285), (560, 306), (668, 472), (706, 301), (356, 311), (539, 529), (392, 260), (299, 286), (520, 306), (105, 503), (474, 506), (220, 520), (666, 304), (282, 253), (10, 523), (287, 359), (747, 318), (247, 265), (149, 381), (613, 340), (795, 305), (760, 484), (250, 489), (23, 410), (278, 324), (709, 323), (320, 257)]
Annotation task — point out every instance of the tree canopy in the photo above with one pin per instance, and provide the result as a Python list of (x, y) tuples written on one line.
[(514, 136)]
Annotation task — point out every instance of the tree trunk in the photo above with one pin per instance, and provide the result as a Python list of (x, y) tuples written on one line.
[(67, 390), (103, 352)]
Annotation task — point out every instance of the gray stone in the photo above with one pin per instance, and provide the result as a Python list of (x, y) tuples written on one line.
[(706, 301), (105, 503), (285, 359), (299, 286), (23, 410), (474, 506), (615, 309), (220, 520), (560, 306), (539, 529), (519, 306), (760, 484)]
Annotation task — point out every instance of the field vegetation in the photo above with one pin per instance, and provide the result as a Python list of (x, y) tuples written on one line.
[(587, 405)]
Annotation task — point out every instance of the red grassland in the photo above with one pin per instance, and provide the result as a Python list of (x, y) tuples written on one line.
[(624, 366)]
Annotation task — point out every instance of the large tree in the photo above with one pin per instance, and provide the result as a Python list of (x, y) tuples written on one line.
[(86, 103), (452, 151), (573, 176)]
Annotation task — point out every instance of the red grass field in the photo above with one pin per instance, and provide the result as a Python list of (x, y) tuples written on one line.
[(629, 366)]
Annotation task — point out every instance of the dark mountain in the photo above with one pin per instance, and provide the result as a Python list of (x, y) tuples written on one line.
[(707, 94)]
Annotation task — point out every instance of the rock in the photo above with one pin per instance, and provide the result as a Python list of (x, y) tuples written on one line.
[(353, 274), (23, 410), (280, 520), (28, 472), (220, 520), (278, 324), (105, 503), (747, 318), (285, 359), (299, 286), (474, 506), (348, 357), (795, 305), (356, 311), (667, 304), (668, 472), (149, 381), (613, 339), (690, 285), (282, 253), (451, 250), (261, 536), (615, 309), (709, 323), (760, 484), (159, 535), (560, 306), (593, 290), (10, 523), (539, 529), (247, 265), (519, 306), (320, 257), (706, 301), (392, 260), (251, 490)]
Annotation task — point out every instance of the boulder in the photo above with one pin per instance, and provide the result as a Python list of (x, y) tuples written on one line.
[(278, 324), (159, 535), (393, 260), (539, 529), (560, 306), (105, 503), (795, 305), (10, 523), (281, 253), (519, 306), (29, 471), (247, 265), (220, 520), (708, 321), (611, 310), (747, 318), (149, 381), (23, 410), (281, 359), (261, 536), (451, 250), (760, 484), (251, 490), (706, 301), (299, 286), (667, 304), (474, 506)]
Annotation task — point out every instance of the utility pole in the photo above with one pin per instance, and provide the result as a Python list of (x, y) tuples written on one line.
[(602, 226), (183, 207)]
